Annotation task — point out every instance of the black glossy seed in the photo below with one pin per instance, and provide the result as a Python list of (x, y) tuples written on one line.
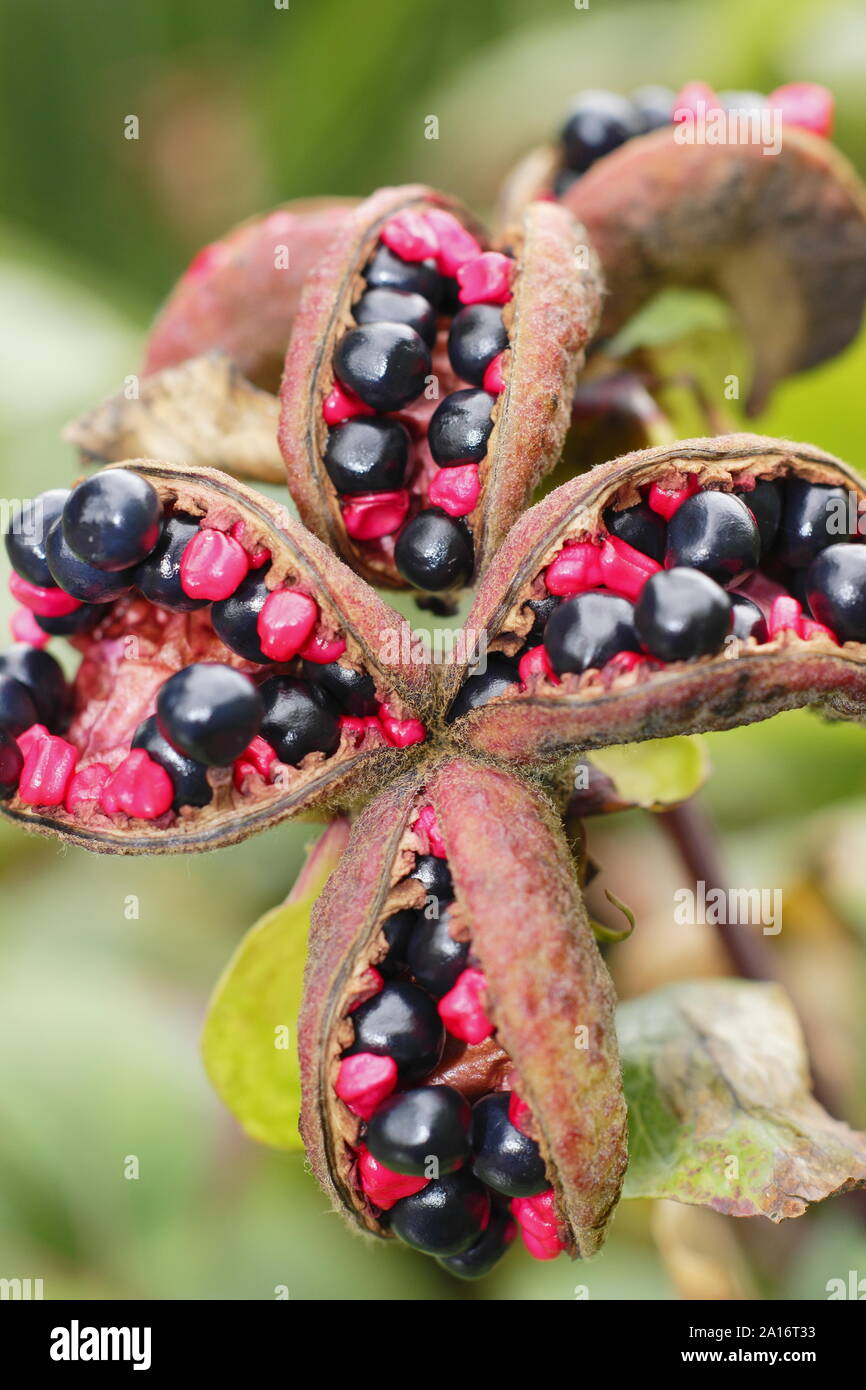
[(112, 520), (450, 303), (836, 586), (235, 618), (654, 107), (435, 958), (640, 527), (189, 778), (398, 929), (813, 517), (158, 577), (682, 614), (74, 624), (435, 875), (79, 579), (43, 677), (477, 335), (765, 503), (542, 608), (11, 763), (402, 1022), (366, 455), (410, 1128), (17, 706), (434, 551), (716, 533), (747, 619), (210, 712), (445, 1218), (501, 673), (397, 306), (354, 691), (460, 428), (385, 270), (598, 122), (487, 1251), (385, 364), (506, 1159), (298, 719), (25, 539), (589, 629)]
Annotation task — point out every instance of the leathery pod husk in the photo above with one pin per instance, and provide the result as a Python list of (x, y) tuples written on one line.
[(545, 287), (131, 646), (566, 549), (544, 996)]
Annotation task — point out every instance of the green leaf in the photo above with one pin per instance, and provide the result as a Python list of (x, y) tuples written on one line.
[(720, 1108), (249, 1043), (656, 774)]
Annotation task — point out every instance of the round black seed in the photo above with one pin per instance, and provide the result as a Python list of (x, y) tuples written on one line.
[(235, 618), (487, 1251), (25, 539), (298, 719), (640, 527), (402, 1022), (714, 532), (450, 303), (43, 677), (11, 763), (542, 608), (477, 335), (74, 624), (158, 577), (435, 875), (410, 1128), (112, 520), (500, 675), (813, 517), (79, 579), (367, 455), (210, 712), (354, 691), (189, 778), (586, 631), (434, 552), (836, 587), (460, 428), (682, 614), (397, 929), (385, 364), (17, 706), (654, 107), (598, 122), (398, 306), (506, 1159), (435, 958), (747, 619), (385, 270), (765, 503), (445, 1218)]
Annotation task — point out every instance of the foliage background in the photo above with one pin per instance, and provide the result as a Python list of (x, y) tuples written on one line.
[(242, 105)]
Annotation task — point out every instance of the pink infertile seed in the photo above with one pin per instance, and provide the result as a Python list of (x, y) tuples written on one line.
[(212, 565), (538, 1213), (204, 261), (401, 733), (257, 558), (364, 1080), (456, 490), (429, 826), (357, 727), (49, 763), (372, 515), (25, 628), (805, 104), (666, 500), (462, 1011), (625, 570), (809, 628), (410, 236), (624, 662), (486, 280), (35, 734), (536, 662), (139, 787), (457, 245), (786, 615), (541, 1248), (519, 1113), (286, 622), (85, 787), (45, 603), (260, 754), (576, 568), (322, 649), (342, 404), (494, 378), (691, 99), (381, 1185)]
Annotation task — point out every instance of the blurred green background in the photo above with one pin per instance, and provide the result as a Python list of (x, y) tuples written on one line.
[(242, 105)]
